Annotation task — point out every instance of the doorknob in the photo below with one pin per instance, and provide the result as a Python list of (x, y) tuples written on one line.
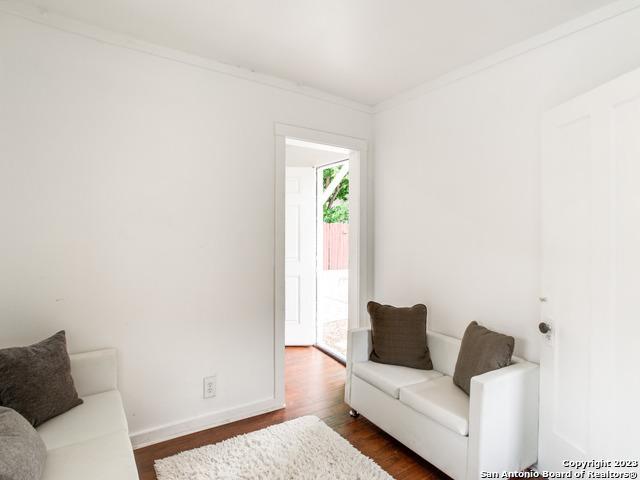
[(544, 328)]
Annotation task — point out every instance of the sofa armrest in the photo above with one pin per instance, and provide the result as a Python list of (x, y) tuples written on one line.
[(94, 372), (358, 349), (358, 345), (503, 420)]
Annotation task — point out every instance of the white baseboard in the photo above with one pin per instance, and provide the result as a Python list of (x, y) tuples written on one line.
[(168, 431)]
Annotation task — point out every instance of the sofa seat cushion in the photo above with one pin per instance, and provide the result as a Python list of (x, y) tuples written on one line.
[(104, 458), (440, 400), (99, 415), (391, 378)]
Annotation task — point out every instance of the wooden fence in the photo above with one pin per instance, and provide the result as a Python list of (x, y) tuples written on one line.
[(336, 246)]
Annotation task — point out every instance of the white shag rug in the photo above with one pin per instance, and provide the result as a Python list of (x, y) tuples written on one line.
[(304, 448)]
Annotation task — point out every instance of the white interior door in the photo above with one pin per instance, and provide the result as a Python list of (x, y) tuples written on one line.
[(300, 256), (590, 384)]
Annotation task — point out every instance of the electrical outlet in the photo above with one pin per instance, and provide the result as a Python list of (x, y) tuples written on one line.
[(209, 387)]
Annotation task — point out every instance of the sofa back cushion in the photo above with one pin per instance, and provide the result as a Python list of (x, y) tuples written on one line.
[(443, 350), (22, 451), (399, 335), (94, 372), (481, 351), (36, 380)]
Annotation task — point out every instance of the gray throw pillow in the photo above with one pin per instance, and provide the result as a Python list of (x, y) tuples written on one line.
[(481, 351), (399, 335), (22, 451), (36, 381)]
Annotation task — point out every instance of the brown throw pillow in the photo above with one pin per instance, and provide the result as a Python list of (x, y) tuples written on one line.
[(481, 351), (399, 335), (22, 451), (36, 380)]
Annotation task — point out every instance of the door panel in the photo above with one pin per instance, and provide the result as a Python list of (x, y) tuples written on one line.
[(292, 299), (292, 240), (300, 244), (625, 388), (566, 212), (590, 276)]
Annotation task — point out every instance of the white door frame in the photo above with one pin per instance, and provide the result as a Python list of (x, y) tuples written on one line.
[(359, 249)]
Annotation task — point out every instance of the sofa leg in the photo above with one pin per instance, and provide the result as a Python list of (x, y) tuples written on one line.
[(353, 413)]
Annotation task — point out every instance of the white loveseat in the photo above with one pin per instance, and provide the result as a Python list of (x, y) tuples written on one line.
[(495, 429), (90, 441)]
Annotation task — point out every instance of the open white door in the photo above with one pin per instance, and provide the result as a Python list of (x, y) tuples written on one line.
[(591, 272), (300, 258)]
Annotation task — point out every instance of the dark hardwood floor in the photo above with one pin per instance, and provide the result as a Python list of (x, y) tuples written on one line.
[(314, 386)]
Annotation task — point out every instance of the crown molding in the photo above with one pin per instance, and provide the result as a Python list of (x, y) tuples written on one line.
[(68, 25), (564, 30)]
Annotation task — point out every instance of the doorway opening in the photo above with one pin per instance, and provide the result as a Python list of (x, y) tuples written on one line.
[(317, 213), (332, 258)]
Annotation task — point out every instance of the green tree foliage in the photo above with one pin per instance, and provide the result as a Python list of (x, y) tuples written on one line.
[(336, 208)]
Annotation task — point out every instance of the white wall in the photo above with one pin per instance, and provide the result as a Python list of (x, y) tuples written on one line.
[(456, 170), (137, 212)]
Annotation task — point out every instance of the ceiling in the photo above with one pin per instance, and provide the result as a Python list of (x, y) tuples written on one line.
[(362, 50)]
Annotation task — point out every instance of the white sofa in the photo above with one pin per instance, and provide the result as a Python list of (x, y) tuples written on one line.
[(495, 429), (90, 441)]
